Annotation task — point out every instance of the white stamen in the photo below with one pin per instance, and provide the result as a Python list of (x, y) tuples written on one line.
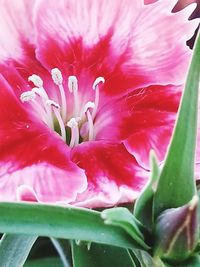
[(87, 106), (96, 88), (97, 82), (72, 84), (73, 88), (73, 124), (50, 102), (30, 96), (41, 92), (27, 96), (57, 76), (56, 108), (36, 80), (58, 80)]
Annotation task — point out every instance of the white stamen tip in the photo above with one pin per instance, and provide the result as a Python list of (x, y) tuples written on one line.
[(97, 81), (36, 90), (56, 76), (78, 119), (72, 123), (72, 83), (52, 103), (27, 96), (88, 105), (36, 80)]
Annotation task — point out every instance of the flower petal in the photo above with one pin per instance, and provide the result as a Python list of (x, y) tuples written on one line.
[(33, 156), (16, 27), (92, 34), (113, 174), (143, 120), (159, 46)]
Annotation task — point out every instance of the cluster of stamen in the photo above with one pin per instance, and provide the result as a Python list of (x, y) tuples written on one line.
[(81, 123)]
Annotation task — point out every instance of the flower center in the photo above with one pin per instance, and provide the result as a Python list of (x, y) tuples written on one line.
[(74, 128)]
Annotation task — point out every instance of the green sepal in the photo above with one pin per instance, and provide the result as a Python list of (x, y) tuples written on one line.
[(143, 208), (123, 218)]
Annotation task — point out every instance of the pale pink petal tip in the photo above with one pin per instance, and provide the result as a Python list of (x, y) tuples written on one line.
[(26, 193), (115, 195)]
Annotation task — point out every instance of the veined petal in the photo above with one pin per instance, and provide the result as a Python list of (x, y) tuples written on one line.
[(33, 156), (115, 39), (113, 174), (159, 46), (16, 27)]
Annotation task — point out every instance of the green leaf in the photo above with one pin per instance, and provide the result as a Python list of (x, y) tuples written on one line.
[(123, 218), (143, 209), (14, 249), (46, 262), (62, 250), (143, 258), (100, 255), (61, 222), (176, 185)]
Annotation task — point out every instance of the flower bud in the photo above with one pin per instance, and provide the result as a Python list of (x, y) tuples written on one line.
[(176, 232)]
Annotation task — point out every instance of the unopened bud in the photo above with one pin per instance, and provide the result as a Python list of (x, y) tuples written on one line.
[(176, 232)]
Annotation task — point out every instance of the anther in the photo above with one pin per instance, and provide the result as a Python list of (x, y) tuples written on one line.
[(36, 80), (88, 105), (57, 76), (73, 124), (41, 92), (53, 104), (58, 80), (97, 82), (27, 96), (72, 84)]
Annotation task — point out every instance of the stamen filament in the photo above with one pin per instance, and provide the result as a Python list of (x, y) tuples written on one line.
[(96, 102), (55, 108), (96, 88), (73, 88), (90, 119), (29, 96), (58, 80), (73, 124), (42, 93), (90, 125)]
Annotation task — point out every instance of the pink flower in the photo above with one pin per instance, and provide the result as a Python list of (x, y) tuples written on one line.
[(105, 78)]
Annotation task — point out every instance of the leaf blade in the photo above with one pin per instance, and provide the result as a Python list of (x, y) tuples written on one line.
[(176, 184), (105, 256), (14, 249), (61, 222)]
